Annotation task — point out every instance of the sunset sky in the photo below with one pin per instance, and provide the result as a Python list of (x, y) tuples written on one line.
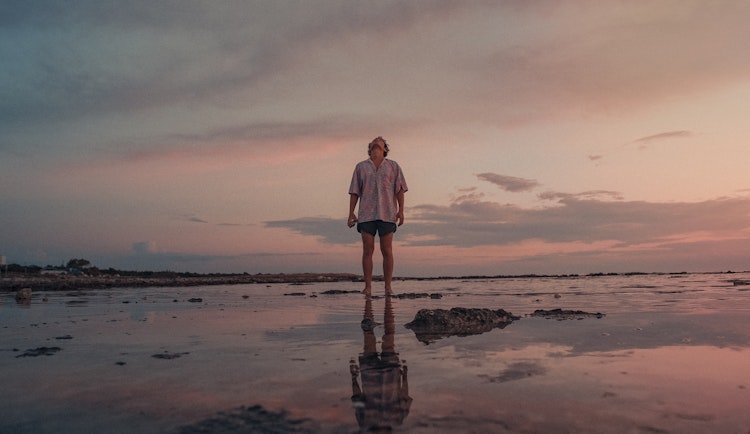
[(546, 137)]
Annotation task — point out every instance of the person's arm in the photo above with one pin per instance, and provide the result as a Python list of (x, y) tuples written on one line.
[(400, 200), (353, 198)]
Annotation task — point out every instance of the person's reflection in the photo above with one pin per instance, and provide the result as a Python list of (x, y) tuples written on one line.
[(383, 401)]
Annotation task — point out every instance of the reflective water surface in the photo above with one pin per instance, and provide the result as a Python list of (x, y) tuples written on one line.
[(670, 354)]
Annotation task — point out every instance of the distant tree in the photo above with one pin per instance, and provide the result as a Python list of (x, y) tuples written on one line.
[(23, 269), (110, 271), (78, 264)]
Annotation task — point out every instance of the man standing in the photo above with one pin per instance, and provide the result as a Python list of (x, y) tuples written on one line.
[(379, 186)]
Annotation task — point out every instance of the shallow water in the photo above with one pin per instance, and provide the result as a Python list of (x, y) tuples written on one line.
[(670, 355)]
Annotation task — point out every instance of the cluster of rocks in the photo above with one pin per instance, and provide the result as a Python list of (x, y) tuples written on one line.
[(39, 351), (414, 295), (430, 325), (561, 315), (69, 282), (169, 356), (406, 295)]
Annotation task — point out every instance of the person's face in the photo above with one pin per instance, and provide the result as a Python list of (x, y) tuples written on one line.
[(377, 149)]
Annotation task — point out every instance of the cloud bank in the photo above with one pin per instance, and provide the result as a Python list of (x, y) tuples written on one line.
[(215, 130)]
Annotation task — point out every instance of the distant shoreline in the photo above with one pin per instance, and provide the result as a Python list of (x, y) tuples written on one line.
[(71, 282), (15, 282)]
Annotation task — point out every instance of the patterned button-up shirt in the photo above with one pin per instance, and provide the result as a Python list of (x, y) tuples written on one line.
[(377, 189)]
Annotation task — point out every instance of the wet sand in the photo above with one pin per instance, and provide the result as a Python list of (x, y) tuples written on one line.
[(670, 354)]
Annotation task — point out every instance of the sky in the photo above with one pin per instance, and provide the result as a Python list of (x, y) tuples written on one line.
[(545, 137)]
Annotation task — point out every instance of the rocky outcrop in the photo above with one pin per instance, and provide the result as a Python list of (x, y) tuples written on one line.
[(39, 351), (168, 356), (39, 282), (340, 291), (560, 314), (414, 295), (430, 325)]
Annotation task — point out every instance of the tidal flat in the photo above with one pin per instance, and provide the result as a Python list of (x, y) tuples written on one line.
[(669, 353)]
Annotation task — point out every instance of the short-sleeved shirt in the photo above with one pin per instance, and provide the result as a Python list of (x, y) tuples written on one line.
[(377, 189)]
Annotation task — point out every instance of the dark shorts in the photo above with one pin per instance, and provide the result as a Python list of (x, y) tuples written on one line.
[(376, 226)]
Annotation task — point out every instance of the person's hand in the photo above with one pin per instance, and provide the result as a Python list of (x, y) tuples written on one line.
[(400, 218), (352, 220)]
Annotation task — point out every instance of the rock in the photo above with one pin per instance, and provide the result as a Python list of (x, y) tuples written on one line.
[(430, 325), (39, 351), (339, 291), (413, 295), (168, 356), (560, 314)]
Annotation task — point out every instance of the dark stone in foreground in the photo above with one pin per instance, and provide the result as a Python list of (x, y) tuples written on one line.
[(414, 295), (168, 356), (560, 314), (255, 419), (339, 291), (40, 351), (430, 325)]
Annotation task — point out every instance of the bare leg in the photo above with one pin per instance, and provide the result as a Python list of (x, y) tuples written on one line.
[(386, 248), (368, 248)]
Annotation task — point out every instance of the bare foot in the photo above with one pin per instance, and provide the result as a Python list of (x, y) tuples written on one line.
[(388, 292), (367, 291)]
